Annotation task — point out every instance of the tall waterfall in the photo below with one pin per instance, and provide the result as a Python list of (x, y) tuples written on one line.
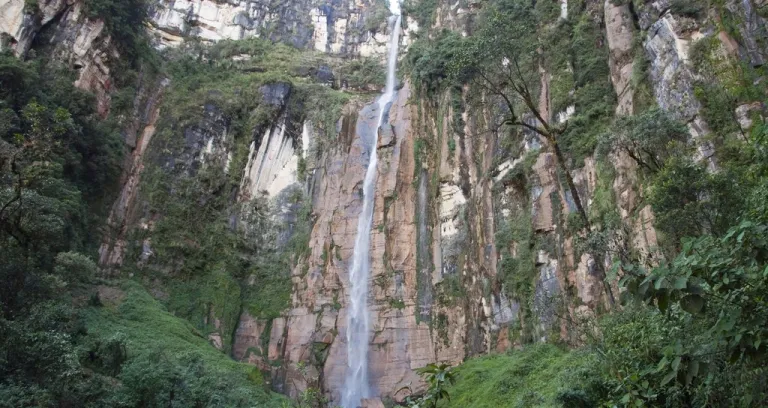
[(356, 383)]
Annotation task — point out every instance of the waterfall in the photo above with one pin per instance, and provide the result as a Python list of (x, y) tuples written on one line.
[(356, 383)]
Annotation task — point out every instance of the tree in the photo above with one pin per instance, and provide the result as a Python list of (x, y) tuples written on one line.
[(504, 61), (650, 139), (501, 60)]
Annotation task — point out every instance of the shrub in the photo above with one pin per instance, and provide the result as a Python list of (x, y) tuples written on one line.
[(688, 201), (363, 73), (687, 8), (650, 139), (125, 21), (428, 62)]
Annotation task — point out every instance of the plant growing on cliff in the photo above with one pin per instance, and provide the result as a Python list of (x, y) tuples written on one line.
[(502, 62), (650, 139), (505, 63), (125, 21), (438, 378)]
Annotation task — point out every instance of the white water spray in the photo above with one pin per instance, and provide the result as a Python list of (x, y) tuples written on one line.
[(356, 383)]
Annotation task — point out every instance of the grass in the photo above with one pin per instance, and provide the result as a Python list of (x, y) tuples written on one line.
[(217, 294), (532, 377), (150, 330)]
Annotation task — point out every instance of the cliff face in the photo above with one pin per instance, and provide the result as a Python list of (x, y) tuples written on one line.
[(78, 41), (448, 193), (346, 28), (445, 198)]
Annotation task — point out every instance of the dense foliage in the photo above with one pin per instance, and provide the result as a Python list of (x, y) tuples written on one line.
[(124, 20), (215, 254), (540, 376), (690, 330), (56, 158), (62, 344), (70, 338), (691, 326)]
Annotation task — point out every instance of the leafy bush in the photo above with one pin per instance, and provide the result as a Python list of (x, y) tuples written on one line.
[(428, 62), (363, 73), (688, 201), (714, 321), (168, 362), (688, 8), (537, 376), (125, 21), (438, 377), (650, 139)]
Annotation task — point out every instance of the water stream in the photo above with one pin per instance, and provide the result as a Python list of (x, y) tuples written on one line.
[(356, 383)]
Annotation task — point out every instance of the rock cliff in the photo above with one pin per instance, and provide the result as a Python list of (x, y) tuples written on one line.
[(351, 28), (457, 211)]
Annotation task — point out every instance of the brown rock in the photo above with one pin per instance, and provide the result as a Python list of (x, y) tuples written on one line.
[(371, 403), (619, 33)]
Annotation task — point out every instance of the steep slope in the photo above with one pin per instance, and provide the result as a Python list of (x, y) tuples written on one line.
[(240, 195)]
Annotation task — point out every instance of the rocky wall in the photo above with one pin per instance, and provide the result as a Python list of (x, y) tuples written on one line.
[(446, 192), (348, 28), (446, 183)]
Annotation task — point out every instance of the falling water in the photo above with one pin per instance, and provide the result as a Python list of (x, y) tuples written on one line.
[(356, 384)]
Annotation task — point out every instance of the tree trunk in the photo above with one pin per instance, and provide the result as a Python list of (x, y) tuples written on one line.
[(583, 213), (569, 181)]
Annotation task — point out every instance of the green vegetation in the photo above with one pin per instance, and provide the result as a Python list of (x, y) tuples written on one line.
[(167, 361), (438, 377), (593, 96), (428, 61), (687, 8), (397, 304), (59, 162), (62, 343), (650, 139), (124, 20), (363, 73), (517, 269), (378, 16), (692, 327), (211, 270), (723, 84), (539, 376), (571, 51), (691, 331), (423, 11)]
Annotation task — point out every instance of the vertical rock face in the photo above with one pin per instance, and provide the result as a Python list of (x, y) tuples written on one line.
[(139, 135), (668, 48), (77, 41), (347, 28), (316, 324), (443, 197), (619, 33), (21, 24)]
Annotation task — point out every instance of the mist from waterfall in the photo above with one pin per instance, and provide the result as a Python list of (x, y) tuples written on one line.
[(356, 382)]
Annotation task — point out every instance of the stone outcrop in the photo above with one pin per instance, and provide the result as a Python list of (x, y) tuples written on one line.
[(21, 23), (345, 28), (620, 35), (668, 47), (78, 41)]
